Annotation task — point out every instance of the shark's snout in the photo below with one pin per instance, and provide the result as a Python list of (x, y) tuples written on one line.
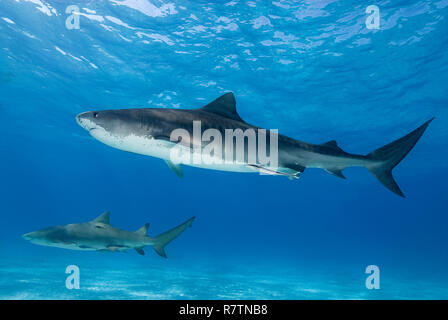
[(44, 236), (87, 120), (28, 236)]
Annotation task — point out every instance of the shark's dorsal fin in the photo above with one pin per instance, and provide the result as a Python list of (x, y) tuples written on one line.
[(143, 230), (103, 218), (224, 106), (333, 144)]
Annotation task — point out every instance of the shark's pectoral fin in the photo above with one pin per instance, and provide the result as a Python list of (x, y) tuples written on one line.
[(336, 172), (140, 251), (176, 168)]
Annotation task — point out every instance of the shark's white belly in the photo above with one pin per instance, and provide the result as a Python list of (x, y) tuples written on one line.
[(76, 247), (149, 146)]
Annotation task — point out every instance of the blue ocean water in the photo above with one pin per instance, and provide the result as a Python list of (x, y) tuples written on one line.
[(311, 69)]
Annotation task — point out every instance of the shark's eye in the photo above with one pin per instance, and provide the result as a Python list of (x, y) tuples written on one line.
[(95, 114)]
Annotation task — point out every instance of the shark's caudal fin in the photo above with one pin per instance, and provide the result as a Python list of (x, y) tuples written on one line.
[(391, 154), (163, 239)]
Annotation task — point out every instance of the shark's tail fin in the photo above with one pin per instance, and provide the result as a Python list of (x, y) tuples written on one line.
[(163, 239), (391, 154)]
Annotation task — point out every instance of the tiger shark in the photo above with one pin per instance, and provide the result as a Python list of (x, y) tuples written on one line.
[(99, 235), (148, 131)]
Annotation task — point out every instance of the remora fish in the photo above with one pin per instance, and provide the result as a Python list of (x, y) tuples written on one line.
[(147, 131), (99, 235)]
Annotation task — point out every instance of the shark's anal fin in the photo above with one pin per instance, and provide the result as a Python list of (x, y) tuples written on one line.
[(160, 251), (140, 251), (176, 168), (336, 172)]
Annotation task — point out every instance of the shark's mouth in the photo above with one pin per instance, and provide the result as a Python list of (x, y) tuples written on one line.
[(106, 137), (87, 124), (96, 130)]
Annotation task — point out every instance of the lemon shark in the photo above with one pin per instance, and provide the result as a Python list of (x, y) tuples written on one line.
[(99, 235), (147, 131)]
